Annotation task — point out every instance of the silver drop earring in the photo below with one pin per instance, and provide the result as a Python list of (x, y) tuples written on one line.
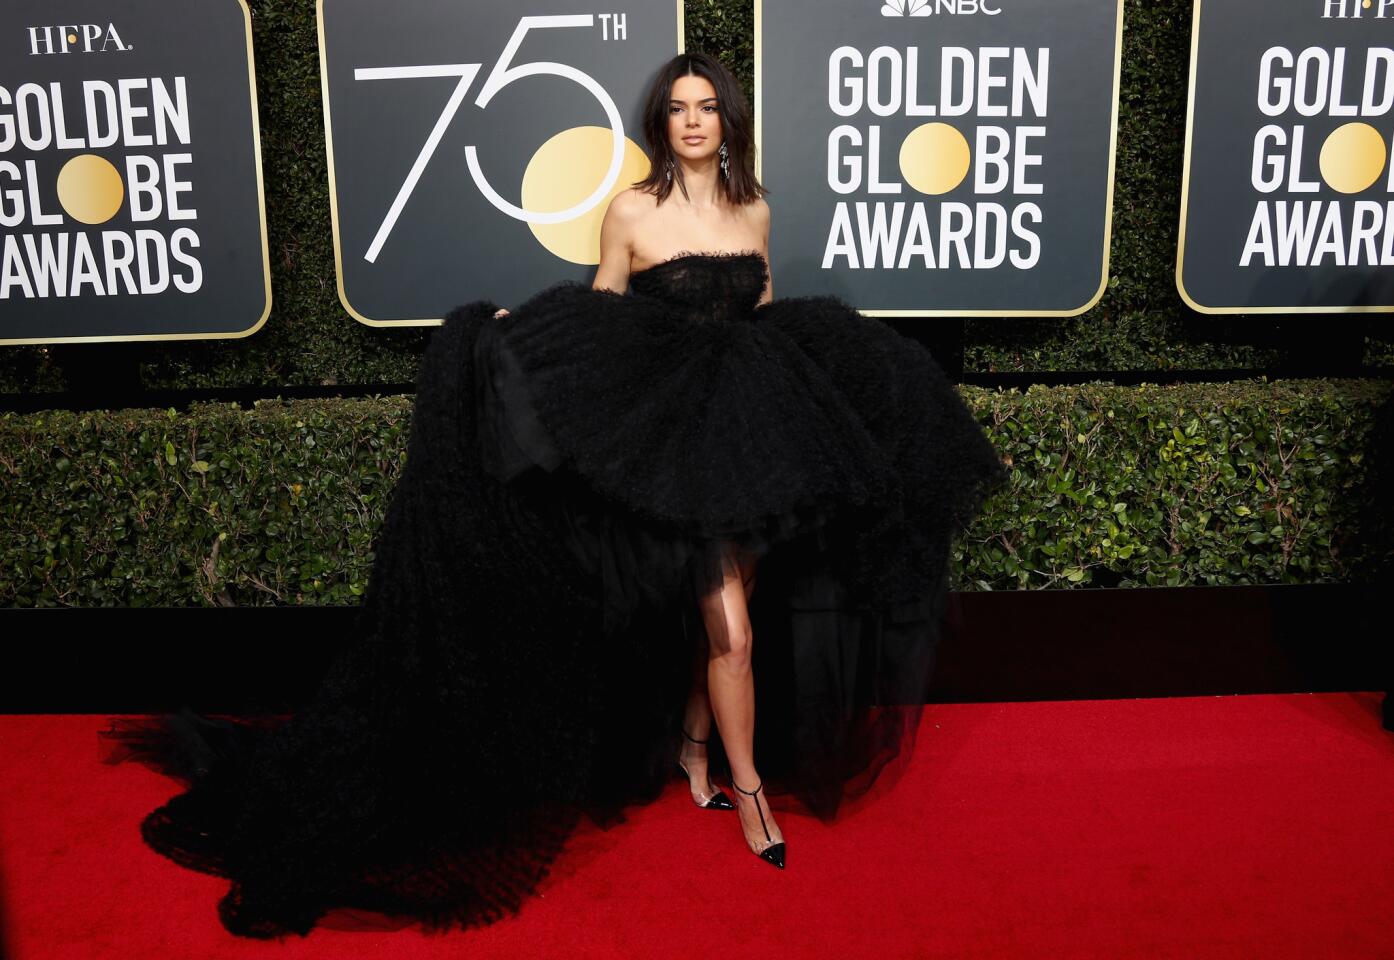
[(725, 166), (669, 173)]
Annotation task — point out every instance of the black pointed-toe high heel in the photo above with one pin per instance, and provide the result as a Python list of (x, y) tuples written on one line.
[(774, 853), (718, 800)]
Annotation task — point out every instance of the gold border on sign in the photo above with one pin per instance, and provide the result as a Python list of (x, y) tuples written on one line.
[(261, 210), (1108, 198), (1185, 196), (333, 191)]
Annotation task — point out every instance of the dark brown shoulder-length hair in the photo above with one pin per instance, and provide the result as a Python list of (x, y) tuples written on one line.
[(736, 127)]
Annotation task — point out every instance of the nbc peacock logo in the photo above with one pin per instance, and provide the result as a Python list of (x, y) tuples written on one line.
[(930, 8)]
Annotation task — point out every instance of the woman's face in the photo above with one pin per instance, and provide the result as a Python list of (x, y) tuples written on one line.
[(694, 120)]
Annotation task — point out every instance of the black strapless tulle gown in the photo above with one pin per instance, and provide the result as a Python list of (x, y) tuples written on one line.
[(575, 472)]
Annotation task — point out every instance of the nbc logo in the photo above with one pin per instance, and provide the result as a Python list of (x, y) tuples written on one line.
[(926, 8)]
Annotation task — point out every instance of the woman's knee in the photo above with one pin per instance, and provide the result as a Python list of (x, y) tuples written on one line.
[(732, 644), (724, 611), (727, 623)]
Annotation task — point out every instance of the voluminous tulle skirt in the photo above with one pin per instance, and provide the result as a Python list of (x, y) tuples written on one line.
[(579, 474)]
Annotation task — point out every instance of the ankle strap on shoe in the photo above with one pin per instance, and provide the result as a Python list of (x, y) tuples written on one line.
[(692, 738), (763, 826)]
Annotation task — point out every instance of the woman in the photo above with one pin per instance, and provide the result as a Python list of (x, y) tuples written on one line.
[(563, 594), (644, 226)]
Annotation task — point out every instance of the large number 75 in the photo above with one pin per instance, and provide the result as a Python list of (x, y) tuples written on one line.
[(501, 76)]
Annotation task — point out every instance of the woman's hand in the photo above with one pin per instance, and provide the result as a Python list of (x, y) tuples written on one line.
[(501, 312)]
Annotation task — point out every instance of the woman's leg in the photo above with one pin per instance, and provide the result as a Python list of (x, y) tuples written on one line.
[(697, 717), (731, 685), (697, 724)]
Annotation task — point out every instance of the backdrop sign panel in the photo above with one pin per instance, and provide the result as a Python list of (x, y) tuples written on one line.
[(1286, 190), (473, 146), (940, 156), (131, 201)]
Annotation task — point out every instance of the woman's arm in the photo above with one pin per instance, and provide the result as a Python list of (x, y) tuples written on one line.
[(615, 235), (762, 217), (616, 243)]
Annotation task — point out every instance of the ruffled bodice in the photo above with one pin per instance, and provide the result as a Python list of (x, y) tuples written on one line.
[(718, 286)]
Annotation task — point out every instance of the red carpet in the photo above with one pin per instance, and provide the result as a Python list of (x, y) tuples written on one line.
[(1253, 826)]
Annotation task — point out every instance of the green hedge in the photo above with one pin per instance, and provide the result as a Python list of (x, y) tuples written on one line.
[(1245, 482), (1252, 482), (1139, 324)]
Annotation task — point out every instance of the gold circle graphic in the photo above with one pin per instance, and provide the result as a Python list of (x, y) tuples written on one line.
[(934, 158), (90, 188), (562, 173), (1352, 157)]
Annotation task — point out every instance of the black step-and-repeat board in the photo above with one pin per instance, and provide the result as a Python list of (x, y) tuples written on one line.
[(940, 157), (474, 146), (1286, 190), (925, 157), (131, 200)]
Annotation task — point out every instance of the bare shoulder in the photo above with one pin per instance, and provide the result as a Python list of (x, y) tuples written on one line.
[(628, 204), (622, 214), (758, 212)]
